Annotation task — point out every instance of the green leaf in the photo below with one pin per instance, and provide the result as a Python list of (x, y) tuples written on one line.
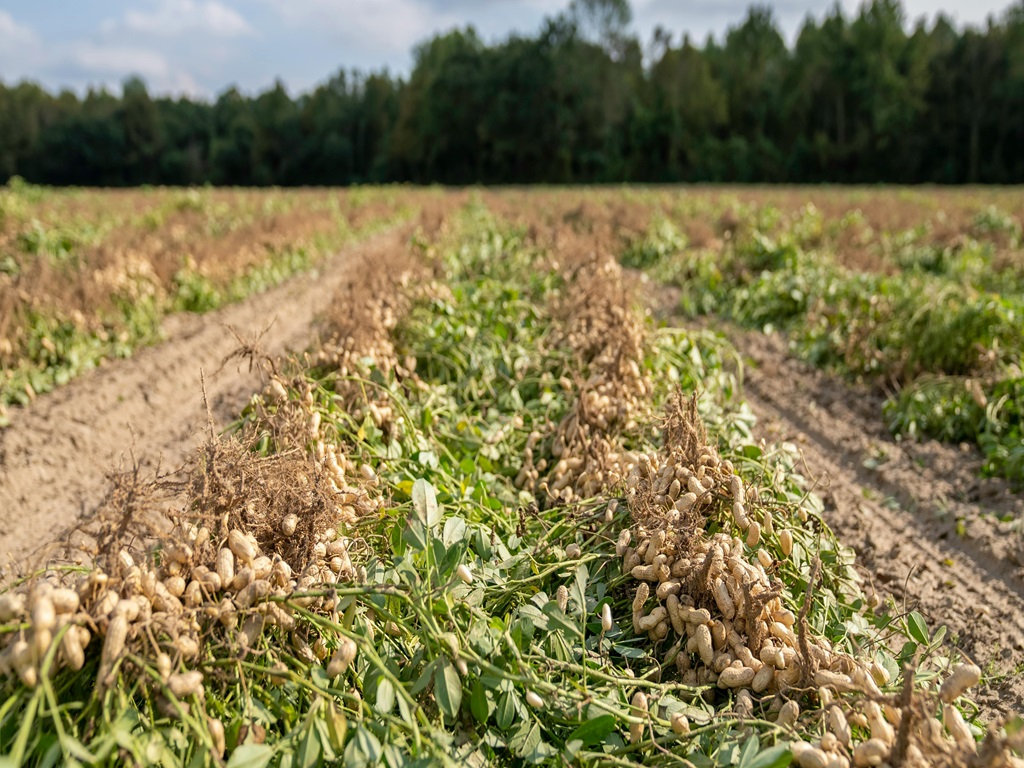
[(890, 665), (578, 592), (53, 752), (337, 727), (526, 738), (424, 500), (751, 452), (424, 679), (447, 689), (385, 696), (251, 756), (478, 703), (629, 651), (776, 757), (506, 710), (368, 744), (454, 531), (363, 749), (749, 751), (917, 627), (416, 535), (594, 731), (482, 543), (324, 735), (572, 746), (447, 560), (908, 650), (405, 569), (397, 541), (309, 750), (481, 638), (558, 620), (728, 754), (395, 758), (533, 617), (404, 711)]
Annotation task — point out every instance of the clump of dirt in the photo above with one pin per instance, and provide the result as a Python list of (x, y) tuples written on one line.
[(284, 500)]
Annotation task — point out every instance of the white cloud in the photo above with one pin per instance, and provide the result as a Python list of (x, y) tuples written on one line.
[(106, 60), (19, 45), (388, 25), (84, 63), (702, 17), (90, 63), (963, 12), (13, 33), (172, 18)]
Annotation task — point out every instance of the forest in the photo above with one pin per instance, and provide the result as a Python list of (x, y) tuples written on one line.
[(868, 98)]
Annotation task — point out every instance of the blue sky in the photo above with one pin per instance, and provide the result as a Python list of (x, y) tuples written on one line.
[(200, 47)]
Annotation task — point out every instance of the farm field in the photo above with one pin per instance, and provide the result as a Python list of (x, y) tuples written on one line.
[(87, 276), (667, 476)]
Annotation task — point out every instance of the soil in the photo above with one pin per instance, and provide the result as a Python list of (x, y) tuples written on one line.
[(927, 531), (55, 455)]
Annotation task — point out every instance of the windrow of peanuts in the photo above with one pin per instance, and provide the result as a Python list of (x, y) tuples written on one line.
[(596, 322), (711, 601)]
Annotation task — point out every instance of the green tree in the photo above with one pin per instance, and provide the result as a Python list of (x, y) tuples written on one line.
[(856, 99), (437, 136), (751, 66), (143, 141), (688, 106)]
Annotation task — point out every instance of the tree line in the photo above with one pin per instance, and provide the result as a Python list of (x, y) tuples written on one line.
[(857, 98)]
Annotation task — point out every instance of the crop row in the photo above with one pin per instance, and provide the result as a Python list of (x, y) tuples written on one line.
[(941, 328)]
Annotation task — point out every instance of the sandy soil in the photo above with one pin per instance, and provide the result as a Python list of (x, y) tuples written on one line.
[(55, 455)]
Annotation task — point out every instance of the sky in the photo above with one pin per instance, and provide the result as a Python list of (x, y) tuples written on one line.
[(202, 47)]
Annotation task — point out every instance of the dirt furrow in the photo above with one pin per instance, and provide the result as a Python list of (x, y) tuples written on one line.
[(56, 453), (883, 499)]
